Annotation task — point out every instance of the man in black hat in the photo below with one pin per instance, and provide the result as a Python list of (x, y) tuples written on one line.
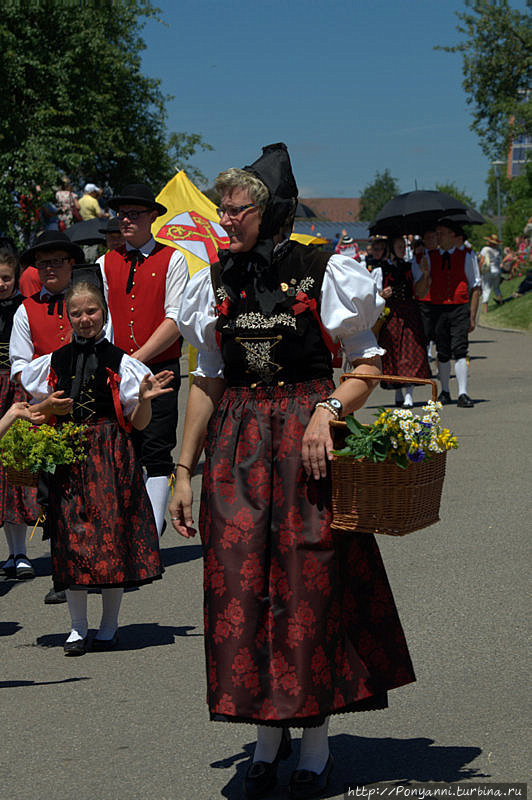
[(144, 282), (113, 234), (40, 324), (454, 296)]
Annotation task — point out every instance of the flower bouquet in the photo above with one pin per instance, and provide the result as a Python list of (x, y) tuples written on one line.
[(388, 477), (26, 449)]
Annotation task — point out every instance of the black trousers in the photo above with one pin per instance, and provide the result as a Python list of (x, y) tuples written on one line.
[(155, 443), (451, 329), (426, 319)]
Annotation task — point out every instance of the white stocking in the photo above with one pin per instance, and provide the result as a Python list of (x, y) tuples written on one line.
[(314, 748), (158, 491), (460, 370), (17, 534), (77, 605), (268, 741), (111, 599), (409, 396), (445, 375)]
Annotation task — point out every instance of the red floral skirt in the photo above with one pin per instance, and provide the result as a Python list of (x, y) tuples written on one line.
[(404, 340), (299, 623), (100, 518), (18, 504)]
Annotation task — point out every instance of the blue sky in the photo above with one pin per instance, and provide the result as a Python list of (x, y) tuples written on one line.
[(351, 87)]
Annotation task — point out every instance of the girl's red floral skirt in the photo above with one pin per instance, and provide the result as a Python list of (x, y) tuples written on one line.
[(18, 504), (299, 623), (100, 518)]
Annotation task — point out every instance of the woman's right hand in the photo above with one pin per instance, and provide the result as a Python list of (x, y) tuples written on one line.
[(180, 508)]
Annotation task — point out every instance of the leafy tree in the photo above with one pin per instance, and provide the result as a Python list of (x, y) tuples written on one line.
[(376, 194), (497, 67), (74, 101)]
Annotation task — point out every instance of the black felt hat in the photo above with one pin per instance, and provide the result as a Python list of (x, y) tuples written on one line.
[(274, 169), (137, 194), (112, 226), (52, 240)]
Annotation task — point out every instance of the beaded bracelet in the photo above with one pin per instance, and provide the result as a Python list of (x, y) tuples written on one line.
[(329, 407)]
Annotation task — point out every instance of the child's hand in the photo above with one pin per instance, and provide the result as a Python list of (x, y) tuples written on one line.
[(56, 404), (25, 411), (153, 386)]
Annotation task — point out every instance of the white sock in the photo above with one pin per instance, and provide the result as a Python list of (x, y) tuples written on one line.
[(77, 605), (314, 748), (429, 350), (398, 395), (268, 741), (409, 396), (17, 534), (445, 375), (460, 370), (158, 491), (111, 599)]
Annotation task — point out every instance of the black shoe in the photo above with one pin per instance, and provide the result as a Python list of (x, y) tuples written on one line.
[(11, 570), (305, 783), (54, 597), (464, 401), (105, 644), (25, 570), (261, 776), (77, 648), (445, 398), (399, 403)]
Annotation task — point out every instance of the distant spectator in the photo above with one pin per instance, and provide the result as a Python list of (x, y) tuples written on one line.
[(334, 242), (347, 247), (113, 235), (49, 216), (509, 263), (88, 205), (67, 203), (490, 271)]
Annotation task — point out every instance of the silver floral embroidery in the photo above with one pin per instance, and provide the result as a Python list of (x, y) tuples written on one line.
[(258, 357), (221, 294), (305, 284), (254, 320)]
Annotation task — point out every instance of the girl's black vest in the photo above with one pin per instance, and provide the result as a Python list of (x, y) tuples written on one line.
[(82, 373), (285, 346), (398, 275)]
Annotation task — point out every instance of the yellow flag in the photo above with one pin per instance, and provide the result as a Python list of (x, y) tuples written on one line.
[(190, 224)]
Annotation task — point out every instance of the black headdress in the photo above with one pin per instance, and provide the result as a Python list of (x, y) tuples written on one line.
[(274, 169)]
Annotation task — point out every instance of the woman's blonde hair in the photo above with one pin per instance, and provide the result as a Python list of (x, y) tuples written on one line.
[(231, 179)]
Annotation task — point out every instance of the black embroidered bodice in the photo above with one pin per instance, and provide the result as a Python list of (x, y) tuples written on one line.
[(398, 275), (81, 369), (286, 345)]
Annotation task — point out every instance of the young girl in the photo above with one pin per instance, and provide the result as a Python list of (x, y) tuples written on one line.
[(18, 505), (99, 517)]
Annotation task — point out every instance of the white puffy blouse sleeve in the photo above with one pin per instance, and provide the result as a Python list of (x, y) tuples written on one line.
[(350, 306), (197, 323), (131, 373), (34, 377)]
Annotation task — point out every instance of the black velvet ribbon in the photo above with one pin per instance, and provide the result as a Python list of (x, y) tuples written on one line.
[(135, 258), (446, 260), (258, 266), (54, 300), (84, 364)]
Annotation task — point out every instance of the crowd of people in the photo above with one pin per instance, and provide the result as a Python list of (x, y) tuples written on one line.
[(300, 623)]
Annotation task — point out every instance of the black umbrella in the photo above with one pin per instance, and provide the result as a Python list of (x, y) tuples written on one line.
[(413, 212), (470, 217), (86, 232)]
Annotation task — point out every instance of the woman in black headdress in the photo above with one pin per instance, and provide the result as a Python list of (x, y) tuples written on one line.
[(402, 333), (99, 516), (298, 624)]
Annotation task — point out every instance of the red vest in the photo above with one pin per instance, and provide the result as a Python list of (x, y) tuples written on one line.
[(48, 331), (448, 286), (135, 316)]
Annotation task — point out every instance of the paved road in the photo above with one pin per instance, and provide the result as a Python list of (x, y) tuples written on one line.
[(133, 723)]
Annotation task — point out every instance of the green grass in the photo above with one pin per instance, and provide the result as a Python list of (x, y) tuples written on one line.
[(515, 313)]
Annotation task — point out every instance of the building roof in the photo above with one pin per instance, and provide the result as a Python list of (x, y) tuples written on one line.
[(333, 208)]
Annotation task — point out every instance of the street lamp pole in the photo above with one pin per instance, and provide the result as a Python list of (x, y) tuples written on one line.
[(498, 165)]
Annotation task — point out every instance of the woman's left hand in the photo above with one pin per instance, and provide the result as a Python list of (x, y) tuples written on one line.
[(153, 386), (316, 450)]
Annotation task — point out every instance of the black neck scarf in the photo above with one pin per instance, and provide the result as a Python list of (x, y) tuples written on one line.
[(446, 260), (84, 364), (54, 300), (7, 306)]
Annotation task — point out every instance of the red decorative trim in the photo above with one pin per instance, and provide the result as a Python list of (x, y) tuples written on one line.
[(52, 379), (307, 303), (113, 381)]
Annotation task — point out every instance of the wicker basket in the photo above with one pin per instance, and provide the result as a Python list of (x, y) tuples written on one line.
[(382, 497), (21, 477)]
